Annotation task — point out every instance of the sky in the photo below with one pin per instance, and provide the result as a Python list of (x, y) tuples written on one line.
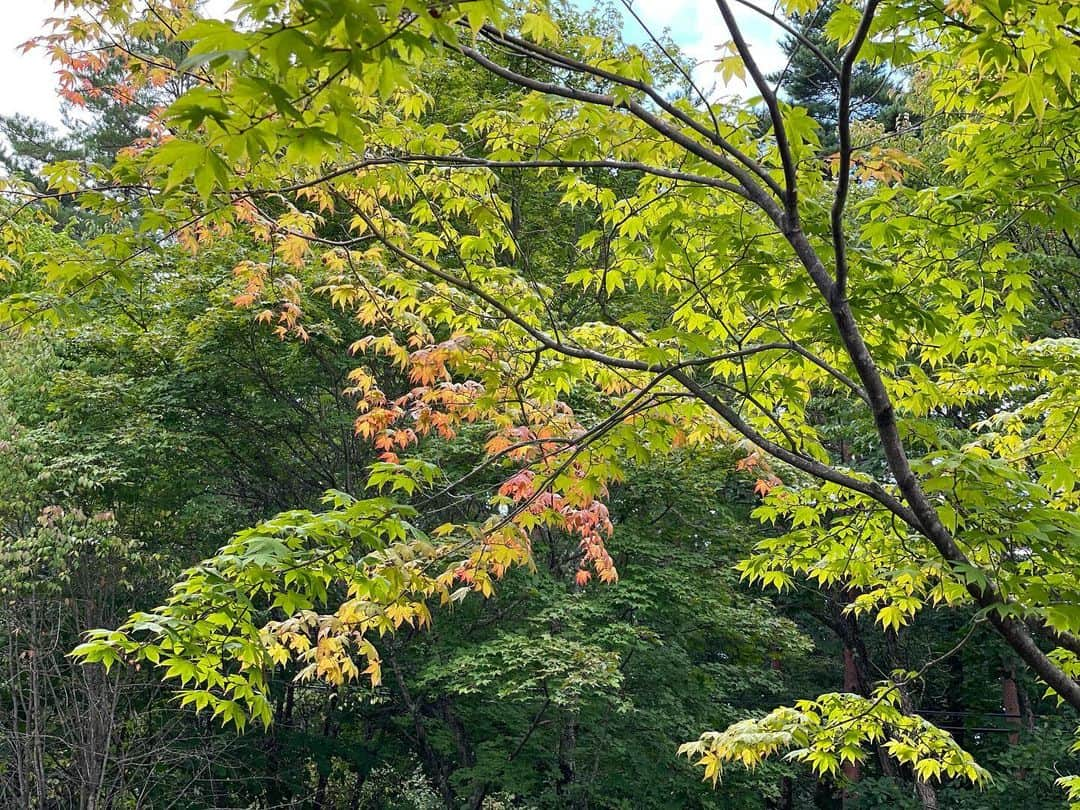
[(29, 85)]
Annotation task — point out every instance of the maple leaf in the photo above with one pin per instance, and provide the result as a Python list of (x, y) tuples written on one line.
[(763, 486), (519, 486)]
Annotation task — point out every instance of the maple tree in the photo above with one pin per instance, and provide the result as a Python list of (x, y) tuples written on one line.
[(731, 286), (183, 418)]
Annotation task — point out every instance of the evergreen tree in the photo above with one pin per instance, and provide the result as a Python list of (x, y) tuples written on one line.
[(808, 82)]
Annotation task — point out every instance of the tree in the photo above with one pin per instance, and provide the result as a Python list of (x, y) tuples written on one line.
[(808, 78), (732, 286), (101, 112), (137, 436)]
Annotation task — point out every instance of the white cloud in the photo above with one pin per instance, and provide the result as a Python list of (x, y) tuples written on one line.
[(698, 28)]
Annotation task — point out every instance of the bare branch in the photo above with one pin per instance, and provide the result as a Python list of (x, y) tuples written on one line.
[(791, 195), (802, 39), (843, 183), (465, 161)]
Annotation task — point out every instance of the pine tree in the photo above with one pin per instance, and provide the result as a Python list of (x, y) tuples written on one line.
[(807, 82)]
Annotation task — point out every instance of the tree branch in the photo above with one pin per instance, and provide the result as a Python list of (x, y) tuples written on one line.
[(802, 39), (752, 191), (465, 161), (843, 183), (791, 191), (561, 60)]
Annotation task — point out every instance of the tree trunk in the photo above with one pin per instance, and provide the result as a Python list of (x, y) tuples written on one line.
[(851, 684), (564, 787), (924, 790), (857, 674), (954, 697), (1010, 699)]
